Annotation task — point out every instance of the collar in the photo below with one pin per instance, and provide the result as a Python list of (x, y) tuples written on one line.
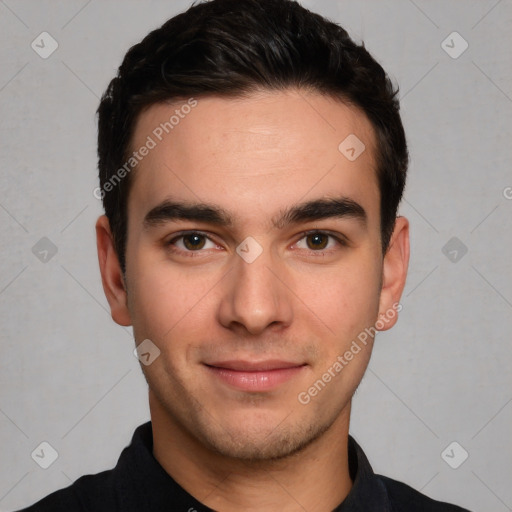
[(156, 490), (368, 493)]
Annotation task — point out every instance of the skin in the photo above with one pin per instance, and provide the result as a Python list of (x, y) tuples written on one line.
[(255, 157)]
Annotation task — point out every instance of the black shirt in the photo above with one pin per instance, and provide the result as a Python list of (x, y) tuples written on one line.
[(139, 484)]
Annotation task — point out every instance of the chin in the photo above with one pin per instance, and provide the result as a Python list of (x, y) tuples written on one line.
[(260, 441)]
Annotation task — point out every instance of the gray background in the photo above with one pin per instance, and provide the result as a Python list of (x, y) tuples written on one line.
[(68, 375)]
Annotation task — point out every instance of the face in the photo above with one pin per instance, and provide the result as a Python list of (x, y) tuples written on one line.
[(253, 263)]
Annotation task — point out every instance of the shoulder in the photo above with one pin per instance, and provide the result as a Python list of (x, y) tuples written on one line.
[(90, 493), (404, 499), (108, 490)]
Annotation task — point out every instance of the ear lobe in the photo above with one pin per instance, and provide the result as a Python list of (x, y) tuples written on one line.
[(111, 275), (394, 273)]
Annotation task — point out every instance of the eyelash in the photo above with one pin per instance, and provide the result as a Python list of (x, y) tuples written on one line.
[(191, 254)]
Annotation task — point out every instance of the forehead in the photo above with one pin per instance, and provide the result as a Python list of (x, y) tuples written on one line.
[(254, 155)]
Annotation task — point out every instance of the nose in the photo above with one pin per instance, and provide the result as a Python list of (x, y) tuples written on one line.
[(255, 296)]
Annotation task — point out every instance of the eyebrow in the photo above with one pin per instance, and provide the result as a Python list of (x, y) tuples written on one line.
[(318, 209)]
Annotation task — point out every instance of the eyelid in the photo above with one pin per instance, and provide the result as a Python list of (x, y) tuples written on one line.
[(186, 232), (339, 237), (334, 234), (171, 243)]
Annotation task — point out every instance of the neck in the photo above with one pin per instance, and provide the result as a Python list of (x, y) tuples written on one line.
[(315, 479)]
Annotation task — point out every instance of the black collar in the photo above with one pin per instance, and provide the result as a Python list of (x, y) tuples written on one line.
[(138, 469)]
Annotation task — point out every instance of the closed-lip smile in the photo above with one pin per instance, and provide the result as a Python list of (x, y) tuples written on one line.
[(255, 376)]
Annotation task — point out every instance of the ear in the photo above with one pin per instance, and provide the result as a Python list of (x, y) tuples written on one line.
[(394, 273), (111, 275)]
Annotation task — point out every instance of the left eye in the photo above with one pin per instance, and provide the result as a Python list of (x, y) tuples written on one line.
[(316, 241)]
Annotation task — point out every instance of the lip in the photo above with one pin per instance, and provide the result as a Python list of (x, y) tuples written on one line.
[(255, 376)]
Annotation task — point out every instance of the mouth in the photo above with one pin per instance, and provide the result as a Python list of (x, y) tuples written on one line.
[(255, 376)]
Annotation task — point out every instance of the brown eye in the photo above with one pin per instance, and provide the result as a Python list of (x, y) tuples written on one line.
[(194, 241), (317, 241), (192, 244)]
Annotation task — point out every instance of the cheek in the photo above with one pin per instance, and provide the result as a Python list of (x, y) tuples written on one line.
[(156, 299), (151, 303), (166, 310), (347, 304), (345, 298), (169, 305)]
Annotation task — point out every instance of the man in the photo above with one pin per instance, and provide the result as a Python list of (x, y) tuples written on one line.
[(251, 160)]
